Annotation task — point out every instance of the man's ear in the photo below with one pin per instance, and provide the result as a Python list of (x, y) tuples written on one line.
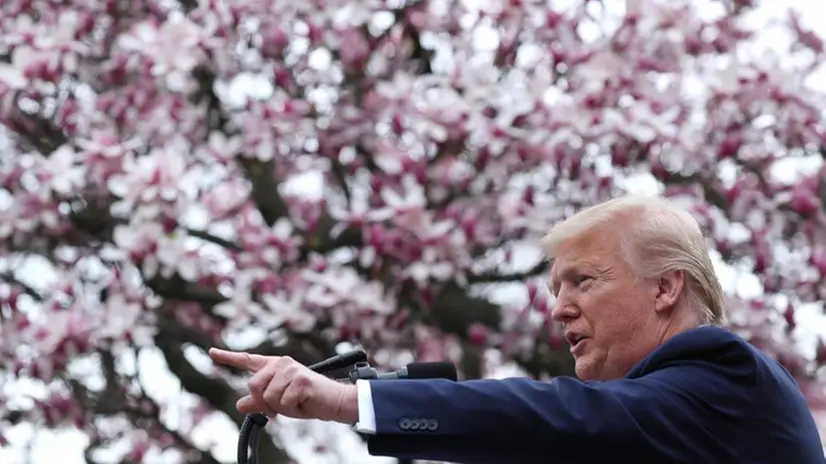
[(670, 287)]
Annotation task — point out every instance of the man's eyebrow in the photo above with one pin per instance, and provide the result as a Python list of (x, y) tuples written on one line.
[(558, 275), (567, 271), (570, 271)]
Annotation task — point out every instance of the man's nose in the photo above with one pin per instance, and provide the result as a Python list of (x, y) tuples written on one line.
[(564, 307)]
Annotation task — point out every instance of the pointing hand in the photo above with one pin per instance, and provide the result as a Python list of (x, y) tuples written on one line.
[(281, 385)]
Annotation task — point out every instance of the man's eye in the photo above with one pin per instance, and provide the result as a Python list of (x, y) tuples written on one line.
[(581, 280)]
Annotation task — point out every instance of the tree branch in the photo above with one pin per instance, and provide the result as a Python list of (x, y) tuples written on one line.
[(265, 193), (454, 311), (95, 443), (207, 237), (176, 288), (36, 130), (143, 411), (14, 281), (495, 277)]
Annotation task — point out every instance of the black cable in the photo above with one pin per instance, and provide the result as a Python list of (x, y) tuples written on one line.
[(255, 438), (249, 437)]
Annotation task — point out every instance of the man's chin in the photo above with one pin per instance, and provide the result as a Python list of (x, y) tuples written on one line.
[(586, 369)]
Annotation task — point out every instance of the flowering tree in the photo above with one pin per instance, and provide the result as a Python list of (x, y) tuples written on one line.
[(364, 171)]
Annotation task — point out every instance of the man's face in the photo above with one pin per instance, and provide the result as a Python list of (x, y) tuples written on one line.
[(607, 313)]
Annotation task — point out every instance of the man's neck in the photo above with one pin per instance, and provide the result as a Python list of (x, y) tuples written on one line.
[(684, 319)]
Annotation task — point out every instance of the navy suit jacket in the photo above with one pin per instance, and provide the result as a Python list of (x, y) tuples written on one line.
[(705, 396)]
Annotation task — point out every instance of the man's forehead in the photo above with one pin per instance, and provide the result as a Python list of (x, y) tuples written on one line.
[(561, 267), (576, 257), (597, 241), (574, 250)]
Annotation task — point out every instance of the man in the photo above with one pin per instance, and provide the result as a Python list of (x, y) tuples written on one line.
[(657, 379)]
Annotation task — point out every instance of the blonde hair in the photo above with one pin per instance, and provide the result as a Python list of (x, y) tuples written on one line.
[(657, 237)]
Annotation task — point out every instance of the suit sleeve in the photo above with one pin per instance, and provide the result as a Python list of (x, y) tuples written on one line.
[(677, 414)]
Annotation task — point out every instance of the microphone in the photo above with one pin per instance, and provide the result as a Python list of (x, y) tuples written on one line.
[(416, 370), (339, 361)]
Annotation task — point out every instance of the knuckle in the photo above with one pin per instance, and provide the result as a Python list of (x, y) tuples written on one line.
[(290, 398), (283, 359), (270, 397), (292, 368), (255, 385), (302, 380), (280, 363)]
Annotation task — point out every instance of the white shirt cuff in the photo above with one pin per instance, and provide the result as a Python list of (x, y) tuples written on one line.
[(367, 415)]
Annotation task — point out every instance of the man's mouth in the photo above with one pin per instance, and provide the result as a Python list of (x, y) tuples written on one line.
[(574, 339)]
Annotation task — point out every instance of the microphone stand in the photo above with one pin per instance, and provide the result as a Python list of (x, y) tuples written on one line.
[(250, 433)]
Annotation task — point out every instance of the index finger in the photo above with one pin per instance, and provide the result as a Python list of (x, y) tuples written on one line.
[(252, 362)]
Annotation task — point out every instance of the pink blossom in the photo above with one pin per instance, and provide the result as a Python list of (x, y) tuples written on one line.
[(65, 175), (313, 173), (226, 198), (152, 179)]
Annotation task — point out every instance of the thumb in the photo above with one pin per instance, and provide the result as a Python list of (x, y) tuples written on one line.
[(252, 362), (249, 405)]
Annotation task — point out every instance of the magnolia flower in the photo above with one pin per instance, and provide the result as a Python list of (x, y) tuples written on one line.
[(236, 172), (148, 179)]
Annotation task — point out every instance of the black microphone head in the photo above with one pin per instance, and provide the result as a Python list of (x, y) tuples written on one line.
[(432, 370), (339, 361)]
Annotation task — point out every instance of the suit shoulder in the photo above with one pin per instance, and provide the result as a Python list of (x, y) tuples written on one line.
[(716, 349)]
